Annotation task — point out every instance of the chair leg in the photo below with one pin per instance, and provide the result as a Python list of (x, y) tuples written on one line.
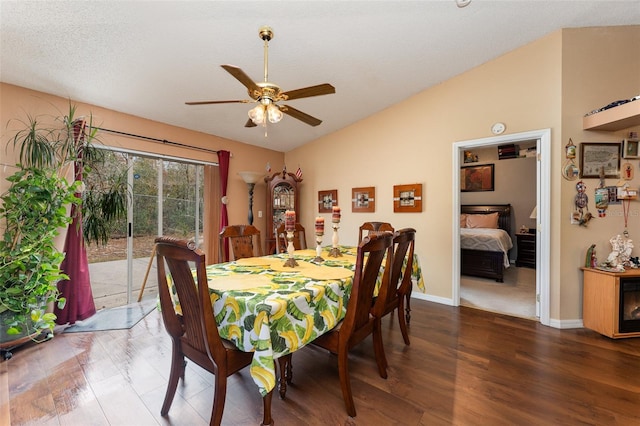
[(378, 347), (402, 321), (177, 371), (219, 397), (408, 308), (267, 420), (286, 371), (345, 381)]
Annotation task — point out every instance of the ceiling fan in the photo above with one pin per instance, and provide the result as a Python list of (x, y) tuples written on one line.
[(268, 94)]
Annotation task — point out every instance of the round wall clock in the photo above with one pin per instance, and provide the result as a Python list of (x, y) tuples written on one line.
[(498, 128)]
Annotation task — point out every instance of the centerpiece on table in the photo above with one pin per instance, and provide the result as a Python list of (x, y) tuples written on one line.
[(319, 233), (335, 223), (289, 227)]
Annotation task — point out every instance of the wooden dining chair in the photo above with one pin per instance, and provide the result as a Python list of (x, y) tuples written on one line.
[(244, 240), (361, 319), (194, 332), (299, 238), (400, 284), (370, 228)]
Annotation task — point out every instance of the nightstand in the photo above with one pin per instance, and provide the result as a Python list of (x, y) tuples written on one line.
[(526, 250)]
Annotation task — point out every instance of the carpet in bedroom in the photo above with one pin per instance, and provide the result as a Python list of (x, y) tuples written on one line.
[(516, 296)]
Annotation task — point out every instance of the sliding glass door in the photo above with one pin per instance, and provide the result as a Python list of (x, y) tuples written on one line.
[(165, 199)]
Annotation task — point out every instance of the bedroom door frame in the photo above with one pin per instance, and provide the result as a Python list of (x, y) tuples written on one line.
[(543, 197)]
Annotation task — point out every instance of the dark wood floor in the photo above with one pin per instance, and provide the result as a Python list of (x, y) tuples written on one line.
[(464, 367)]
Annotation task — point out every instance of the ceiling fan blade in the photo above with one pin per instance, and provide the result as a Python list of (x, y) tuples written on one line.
[(244, 79), (296, 113), (244, 101), (250, 123), (306, 92)]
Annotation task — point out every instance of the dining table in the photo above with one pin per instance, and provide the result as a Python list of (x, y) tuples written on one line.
[(266, 307)]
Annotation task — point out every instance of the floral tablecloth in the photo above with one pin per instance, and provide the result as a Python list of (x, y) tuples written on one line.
[(264, 307)]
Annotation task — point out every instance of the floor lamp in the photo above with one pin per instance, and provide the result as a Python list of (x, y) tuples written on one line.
[(251, 178)]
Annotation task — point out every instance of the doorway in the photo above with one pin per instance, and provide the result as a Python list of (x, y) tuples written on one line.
[(542, 235), (165, 198)]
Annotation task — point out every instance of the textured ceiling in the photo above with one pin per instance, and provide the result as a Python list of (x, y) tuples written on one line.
[(147, 58)]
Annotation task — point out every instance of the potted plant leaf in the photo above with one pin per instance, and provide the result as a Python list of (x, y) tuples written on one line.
[(34, 210)]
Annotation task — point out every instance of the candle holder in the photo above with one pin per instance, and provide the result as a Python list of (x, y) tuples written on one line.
[(335, 251), (291, 262), (318, 258)]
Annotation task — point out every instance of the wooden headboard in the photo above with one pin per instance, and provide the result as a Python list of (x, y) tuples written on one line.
[(503, 210)]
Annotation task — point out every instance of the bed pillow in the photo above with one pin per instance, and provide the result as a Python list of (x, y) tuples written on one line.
[(463, 220), (482, 221)]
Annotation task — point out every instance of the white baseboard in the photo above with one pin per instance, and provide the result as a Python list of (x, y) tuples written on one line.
[(554, 323), (563, 324), (431, 298)]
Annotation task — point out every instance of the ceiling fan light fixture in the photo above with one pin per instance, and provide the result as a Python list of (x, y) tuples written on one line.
[(257, 114), (274, 114)]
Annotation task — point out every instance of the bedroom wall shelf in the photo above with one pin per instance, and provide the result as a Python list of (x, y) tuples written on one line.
[(616, 118)]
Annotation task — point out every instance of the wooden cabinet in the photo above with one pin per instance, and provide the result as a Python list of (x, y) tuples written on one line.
[(526, 250), (601, 301), (282, 195)]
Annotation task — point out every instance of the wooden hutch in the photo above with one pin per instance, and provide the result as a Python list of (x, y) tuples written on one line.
[(282, 195)]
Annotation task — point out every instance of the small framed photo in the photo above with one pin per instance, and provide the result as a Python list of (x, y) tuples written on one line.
[(363, 200), (407, 198), (630, 148), (596, 157), (477, 178), (613, 195), (326, 200)]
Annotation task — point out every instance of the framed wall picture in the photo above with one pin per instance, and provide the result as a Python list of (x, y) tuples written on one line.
[(477, 178), (407, 198), (326, 200), (630, 148), (363, 200), (594, 156)]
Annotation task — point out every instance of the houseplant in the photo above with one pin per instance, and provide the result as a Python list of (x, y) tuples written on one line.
[(33, 211)]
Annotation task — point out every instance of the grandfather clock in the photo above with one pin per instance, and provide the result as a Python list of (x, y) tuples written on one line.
[(282, 195)]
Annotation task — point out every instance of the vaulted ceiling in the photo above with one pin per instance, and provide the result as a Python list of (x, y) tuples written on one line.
[(147, 58)]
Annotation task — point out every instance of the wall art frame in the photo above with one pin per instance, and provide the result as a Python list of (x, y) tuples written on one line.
[(595, 155), (631, 148), (407, 198), (327, 200), (477, 178), (363, 200)]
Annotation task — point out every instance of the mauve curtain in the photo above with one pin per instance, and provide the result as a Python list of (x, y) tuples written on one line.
[(77, 289), (223, 161)]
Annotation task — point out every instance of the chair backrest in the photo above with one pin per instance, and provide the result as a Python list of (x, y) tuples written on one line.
[(195, 326), (245, 242), (299, 238), (399, 283), (359, 309), (373, 228)]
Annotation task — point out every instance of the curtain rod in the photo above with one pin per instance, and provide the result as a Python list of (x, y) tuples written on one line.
[(164, 141)]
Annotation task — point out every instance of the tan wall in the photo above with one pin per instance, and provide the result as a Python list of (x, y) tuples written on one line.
[(412, 142), (598, 66), (17, 102)]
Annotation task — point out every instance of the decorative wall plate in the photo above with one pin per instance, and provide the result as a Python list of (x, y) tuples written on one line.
[(570, 171)]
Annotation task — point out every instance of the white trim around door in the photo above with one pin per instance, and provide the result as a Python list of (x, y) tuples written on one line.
[(543, 196)]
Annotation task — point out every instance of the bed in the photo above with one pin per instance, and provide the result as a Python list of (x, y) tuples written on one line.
[(485, 251)]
